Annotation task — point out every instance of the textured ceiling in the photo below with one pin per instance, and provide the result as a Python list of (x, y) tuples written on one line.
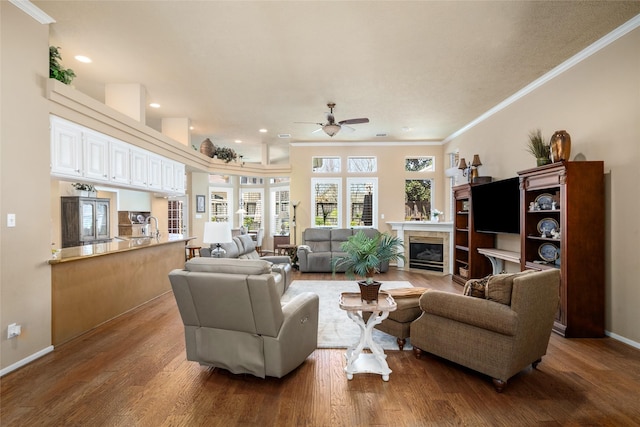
[(234, 67)]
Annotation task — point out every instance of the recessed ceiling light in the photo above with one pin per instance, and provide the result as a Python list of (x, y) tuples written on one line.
[(284, 135), (84, 59), (263, 130), (381, 134), (238, 141), (154, 105), (191, 128)]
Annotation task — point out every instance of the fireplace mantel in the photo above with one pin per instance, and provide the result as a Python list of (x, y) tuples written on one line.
[(404, 229)]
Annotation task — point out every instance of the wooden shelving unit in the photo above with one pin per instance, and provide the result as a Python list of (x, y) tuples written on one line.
[(467, 241), (577, 190)]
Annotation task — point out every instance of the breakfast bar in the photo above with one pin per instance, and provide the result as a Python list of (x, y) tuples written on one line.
[(92, 284)]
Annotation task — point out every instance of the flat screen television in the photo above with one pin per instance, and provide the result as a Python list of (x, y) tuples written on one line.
[(496, 206)]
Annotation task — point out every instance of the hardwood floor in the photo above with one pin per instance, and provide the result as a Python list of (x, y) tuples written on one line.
[(132, 371)]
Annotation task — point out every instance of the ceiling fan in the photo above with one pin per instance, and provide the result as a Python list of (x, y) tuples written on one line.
[(331, 127)]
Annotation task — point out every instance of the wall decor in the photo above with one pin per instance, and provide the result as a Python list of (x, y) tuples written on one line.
[(200, 203)]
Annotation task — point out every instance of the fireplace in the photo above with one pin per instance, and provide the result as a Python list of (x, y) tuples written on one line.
[(430, 233), (426, 253)]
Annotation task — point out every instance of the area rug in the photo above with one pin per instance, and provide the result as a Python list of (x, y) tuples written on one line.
[(335, 329)]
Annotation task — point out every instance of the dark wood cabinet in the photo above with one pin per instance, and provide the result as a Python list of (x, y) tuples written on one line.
[(567, 197), (85, 220), (468, 262)]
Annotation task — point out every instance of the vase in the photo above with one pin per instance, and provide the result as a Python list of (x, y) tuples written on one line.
[(207, 148), (369, 291), (560, 146), (541, 161)]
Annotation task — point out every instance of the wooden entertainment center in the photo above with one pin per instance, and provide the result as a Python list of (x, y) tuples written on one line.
[(561, 226)]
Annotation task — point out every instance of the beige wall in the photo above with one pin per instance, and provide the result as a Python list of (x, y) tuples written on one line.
[(391, 178), (25, 277), (598, 103)]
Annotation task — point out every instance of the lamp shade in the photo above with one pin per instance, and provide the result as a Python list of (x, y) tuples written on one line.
[(476, 161), (217, 232), (462, 164), (331, 129)]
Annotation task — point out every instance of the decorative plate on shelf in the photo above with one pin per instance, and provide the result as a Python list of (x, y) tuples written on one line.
[(548, 252), (544, 201), (547, 225), (140, 218)]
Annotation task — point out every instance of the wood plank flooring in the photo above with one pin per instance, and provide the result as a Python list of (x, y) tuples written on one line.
[(132, 371)]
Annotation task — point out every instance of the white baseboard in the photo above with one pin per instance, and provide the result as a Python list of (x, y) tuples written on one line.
[(623, 339), (26, 360)]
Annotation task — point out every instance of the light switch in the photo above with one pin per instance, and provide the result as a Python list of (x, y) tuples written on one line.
[(11, 220)]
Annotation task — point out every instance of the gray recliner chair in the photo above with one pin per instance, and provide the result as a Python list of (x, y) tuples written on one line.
[(233, 318)]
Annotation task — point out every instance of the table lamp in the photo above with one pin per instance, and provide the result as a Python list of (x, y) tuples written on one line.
[(217, 232)]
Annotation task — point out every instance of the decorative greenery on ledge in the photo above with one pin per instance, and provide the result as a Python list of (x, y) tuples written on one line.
[(226, 154), (55, 69)]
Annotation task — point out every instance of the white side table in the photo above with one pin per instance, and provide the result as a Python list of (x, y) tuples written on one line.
[(374, 362)]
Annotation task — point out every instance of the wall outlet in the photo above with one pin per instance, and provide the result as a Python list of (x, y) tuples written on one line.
[(13, 330), (11, 220)]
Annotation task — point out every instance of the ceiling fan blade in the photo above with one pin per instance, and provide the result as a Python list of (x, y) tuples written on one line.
[(311, 123), (354, 121), (347, 128), (318, 130)]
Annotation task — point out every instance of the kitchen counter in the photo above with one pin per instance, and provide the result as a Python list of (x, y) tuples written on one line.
[(93, 284), (118, 244)]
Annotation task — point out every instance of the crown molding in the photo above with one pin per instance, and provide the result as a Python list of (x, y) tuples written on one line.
[(595, 47), (33, 11)]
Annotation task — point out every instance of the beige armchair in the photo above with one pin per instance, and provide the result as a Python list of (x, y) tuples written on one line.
[(490, 337), (233, 318)]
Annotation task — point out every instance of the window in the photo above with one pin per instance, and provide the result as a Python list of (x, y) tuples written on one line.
[(326, 196), (417, 198), (220, 204), (362, 200), (251, 202), (176, 217), (362, 164), (280, 221), (326, 164), (419, 164)]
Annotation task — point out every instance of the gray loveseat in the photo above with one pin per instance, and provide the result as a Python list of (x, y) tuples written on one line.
[(234, 319), (243, 247), (321, 244)]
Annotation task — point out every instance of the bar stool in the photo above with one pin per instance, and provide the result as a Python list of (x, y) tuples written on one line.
[(192, 251)]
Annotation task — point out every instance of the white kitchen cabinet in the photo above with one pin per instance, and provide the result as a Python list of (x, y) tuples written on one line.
[(96, 156), (66, 148), (119, 164), (155, 172), (139, 168), (178, 180), (167, 175)]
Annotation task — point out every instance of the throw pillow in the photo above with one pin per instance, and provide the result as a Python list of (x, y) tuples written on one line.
[(476, 287), (499, 287)]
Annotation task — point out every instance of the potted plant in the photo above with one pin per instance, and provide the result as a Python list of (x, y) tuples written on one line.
[(65, 75), (84, 190), (539, 148), (435, 214), (363, 256)]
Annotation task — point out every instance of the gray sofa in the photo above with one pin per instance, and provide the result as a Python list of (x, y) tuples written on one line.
[(319, 245), (234, 319), (243, 247)]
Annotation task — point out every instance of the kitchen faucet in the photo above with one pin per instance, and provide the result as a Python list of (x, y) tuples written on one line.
[(156, 234)]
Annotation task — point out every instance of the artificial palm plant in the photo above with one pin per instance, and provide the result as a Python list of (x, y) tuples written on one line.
[(363, 254)]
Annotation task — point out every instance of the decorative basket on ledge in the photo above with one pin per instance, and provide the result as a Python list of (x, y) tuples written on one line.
[(369, 291), (464, 272)]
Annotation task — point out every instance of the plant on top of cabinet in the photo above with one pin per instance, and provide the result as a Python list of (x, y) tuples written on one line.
[(540, 150), (226, 154), (83, 187), (65, 75)]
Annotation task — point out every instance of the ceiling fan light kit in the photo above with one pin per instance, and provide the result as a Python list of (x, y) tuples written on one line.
[(331, 127)]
